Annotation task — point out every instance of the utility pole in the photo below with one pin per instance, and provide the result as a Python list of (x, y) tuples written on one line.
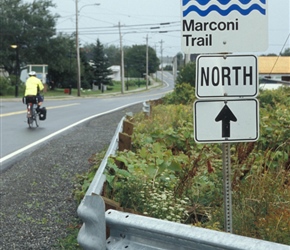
[(174, 71), (78, 51), (147, 62), (161, 48), (156, 55), (122, 61)]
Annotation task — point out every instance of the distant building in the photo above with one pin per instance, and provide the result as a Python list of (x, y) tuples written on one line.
[(274, 68), (40, 69), (116, 69)]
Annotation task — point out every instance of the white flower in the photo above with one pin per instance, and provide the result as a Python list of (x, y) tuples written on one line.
[(163, 196)]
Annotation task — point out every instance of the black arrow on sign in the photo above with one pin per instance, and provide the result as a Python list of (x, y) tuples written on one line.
[(226, 116)]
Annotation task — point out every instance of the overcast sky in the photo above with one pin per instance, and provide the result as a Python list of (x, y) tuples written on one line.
[(102, 21)]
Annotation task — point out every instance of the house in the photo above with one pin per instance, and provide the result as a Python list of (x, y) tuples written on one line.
[(274, 68), (116, 69)]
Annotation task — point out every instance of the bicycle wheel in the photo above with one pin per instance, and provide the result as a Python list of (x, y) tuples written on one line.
[(32, 116), (35, 117), (29, 115), (30, 121)]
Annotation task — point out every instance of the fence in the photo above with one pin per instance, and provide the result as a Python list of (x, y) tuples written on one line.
[(115, 230)]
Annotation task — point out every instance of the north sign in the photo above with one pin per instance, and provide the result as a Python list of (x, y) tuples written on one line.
[(226, 76), (218, 26), (224, 121)]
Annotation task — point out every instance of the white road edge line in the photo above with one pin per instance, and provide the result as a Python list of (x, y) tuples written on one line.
[(7, 157)]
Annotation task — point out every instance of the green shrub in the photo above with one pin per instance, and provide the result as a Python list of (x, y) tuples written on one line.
[(167, 175), (270, 98), (259, 169), (187, 74), (183, 93), (7, 86), (4, 86)]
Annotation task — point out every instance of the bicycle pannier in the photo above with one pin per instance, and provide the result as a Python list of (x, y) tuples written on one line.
[(42, 114)]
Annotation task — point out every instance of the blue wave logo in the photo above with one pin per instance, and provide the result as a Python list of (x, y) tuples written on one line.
[(223, 2), (223, 12)]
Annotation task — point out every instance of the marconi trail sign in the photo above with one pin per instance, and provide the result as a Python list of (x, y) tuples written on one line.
[(224, 26)]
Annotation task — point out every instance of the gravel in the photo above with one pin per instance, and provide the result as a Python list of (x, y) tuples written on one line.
[(37, 206)]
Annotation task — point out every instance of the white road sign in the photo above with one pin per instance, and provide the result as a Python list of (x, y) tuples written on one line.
[(217, 121), (226, 76), (216, 26)]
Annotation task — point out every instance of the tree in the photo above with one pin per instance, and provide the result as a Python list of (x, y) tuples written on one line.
[(187, 74), (113, 54), (61, 59), (101, 66), (135, 61), (87, 75), (179, 60), (286, 52), (29, 26)]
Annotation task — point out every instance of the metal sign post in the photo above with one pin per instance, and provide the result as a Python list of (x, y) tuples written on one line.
[(227, 187)]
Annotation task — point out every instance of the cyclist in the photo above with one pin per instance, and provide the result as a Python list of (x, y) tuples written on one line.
[(33, 86)]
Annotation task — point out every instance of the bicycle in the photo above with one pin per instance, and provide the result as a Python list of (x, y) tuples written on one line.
[(32, 116)]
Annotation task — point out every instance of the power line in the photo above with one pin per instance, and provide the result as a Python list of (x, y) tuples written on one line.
[(279, 54), (130, 32), (128, 26)]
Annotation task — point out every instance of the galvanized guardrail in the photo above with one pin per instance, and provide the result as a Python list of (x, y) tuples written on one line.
[(130, 231)]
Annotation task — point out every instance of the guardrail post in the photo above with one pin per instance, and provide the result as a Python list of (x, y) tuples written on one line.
[(92, 235), (146, 108)]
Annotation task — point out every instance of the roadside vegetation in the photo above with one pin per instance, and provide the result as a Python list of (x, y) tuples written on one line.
[(168, 176), (8, 91)]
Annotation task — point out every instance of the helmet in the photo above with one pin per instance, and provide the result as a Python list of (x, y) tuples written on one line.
[(32, 73)]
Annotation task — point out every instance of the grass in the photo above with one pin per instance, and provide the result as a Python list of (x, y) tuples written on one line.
[(60, 92)]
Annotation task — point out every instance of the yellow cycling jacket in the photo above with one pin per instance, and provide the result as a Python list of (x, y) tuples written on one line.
[(33, 86)]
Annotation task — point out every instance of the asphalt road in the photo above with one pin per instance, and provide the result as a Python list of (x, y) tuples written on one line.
[(37, 208), (17, 138)]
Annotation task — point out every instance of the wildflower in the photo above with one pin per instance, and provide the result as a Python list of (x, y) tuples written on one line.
[(163, 196)]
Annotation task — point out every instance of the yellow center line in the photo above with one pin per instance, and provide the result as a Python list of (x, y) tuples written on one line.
[(24, 111)]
